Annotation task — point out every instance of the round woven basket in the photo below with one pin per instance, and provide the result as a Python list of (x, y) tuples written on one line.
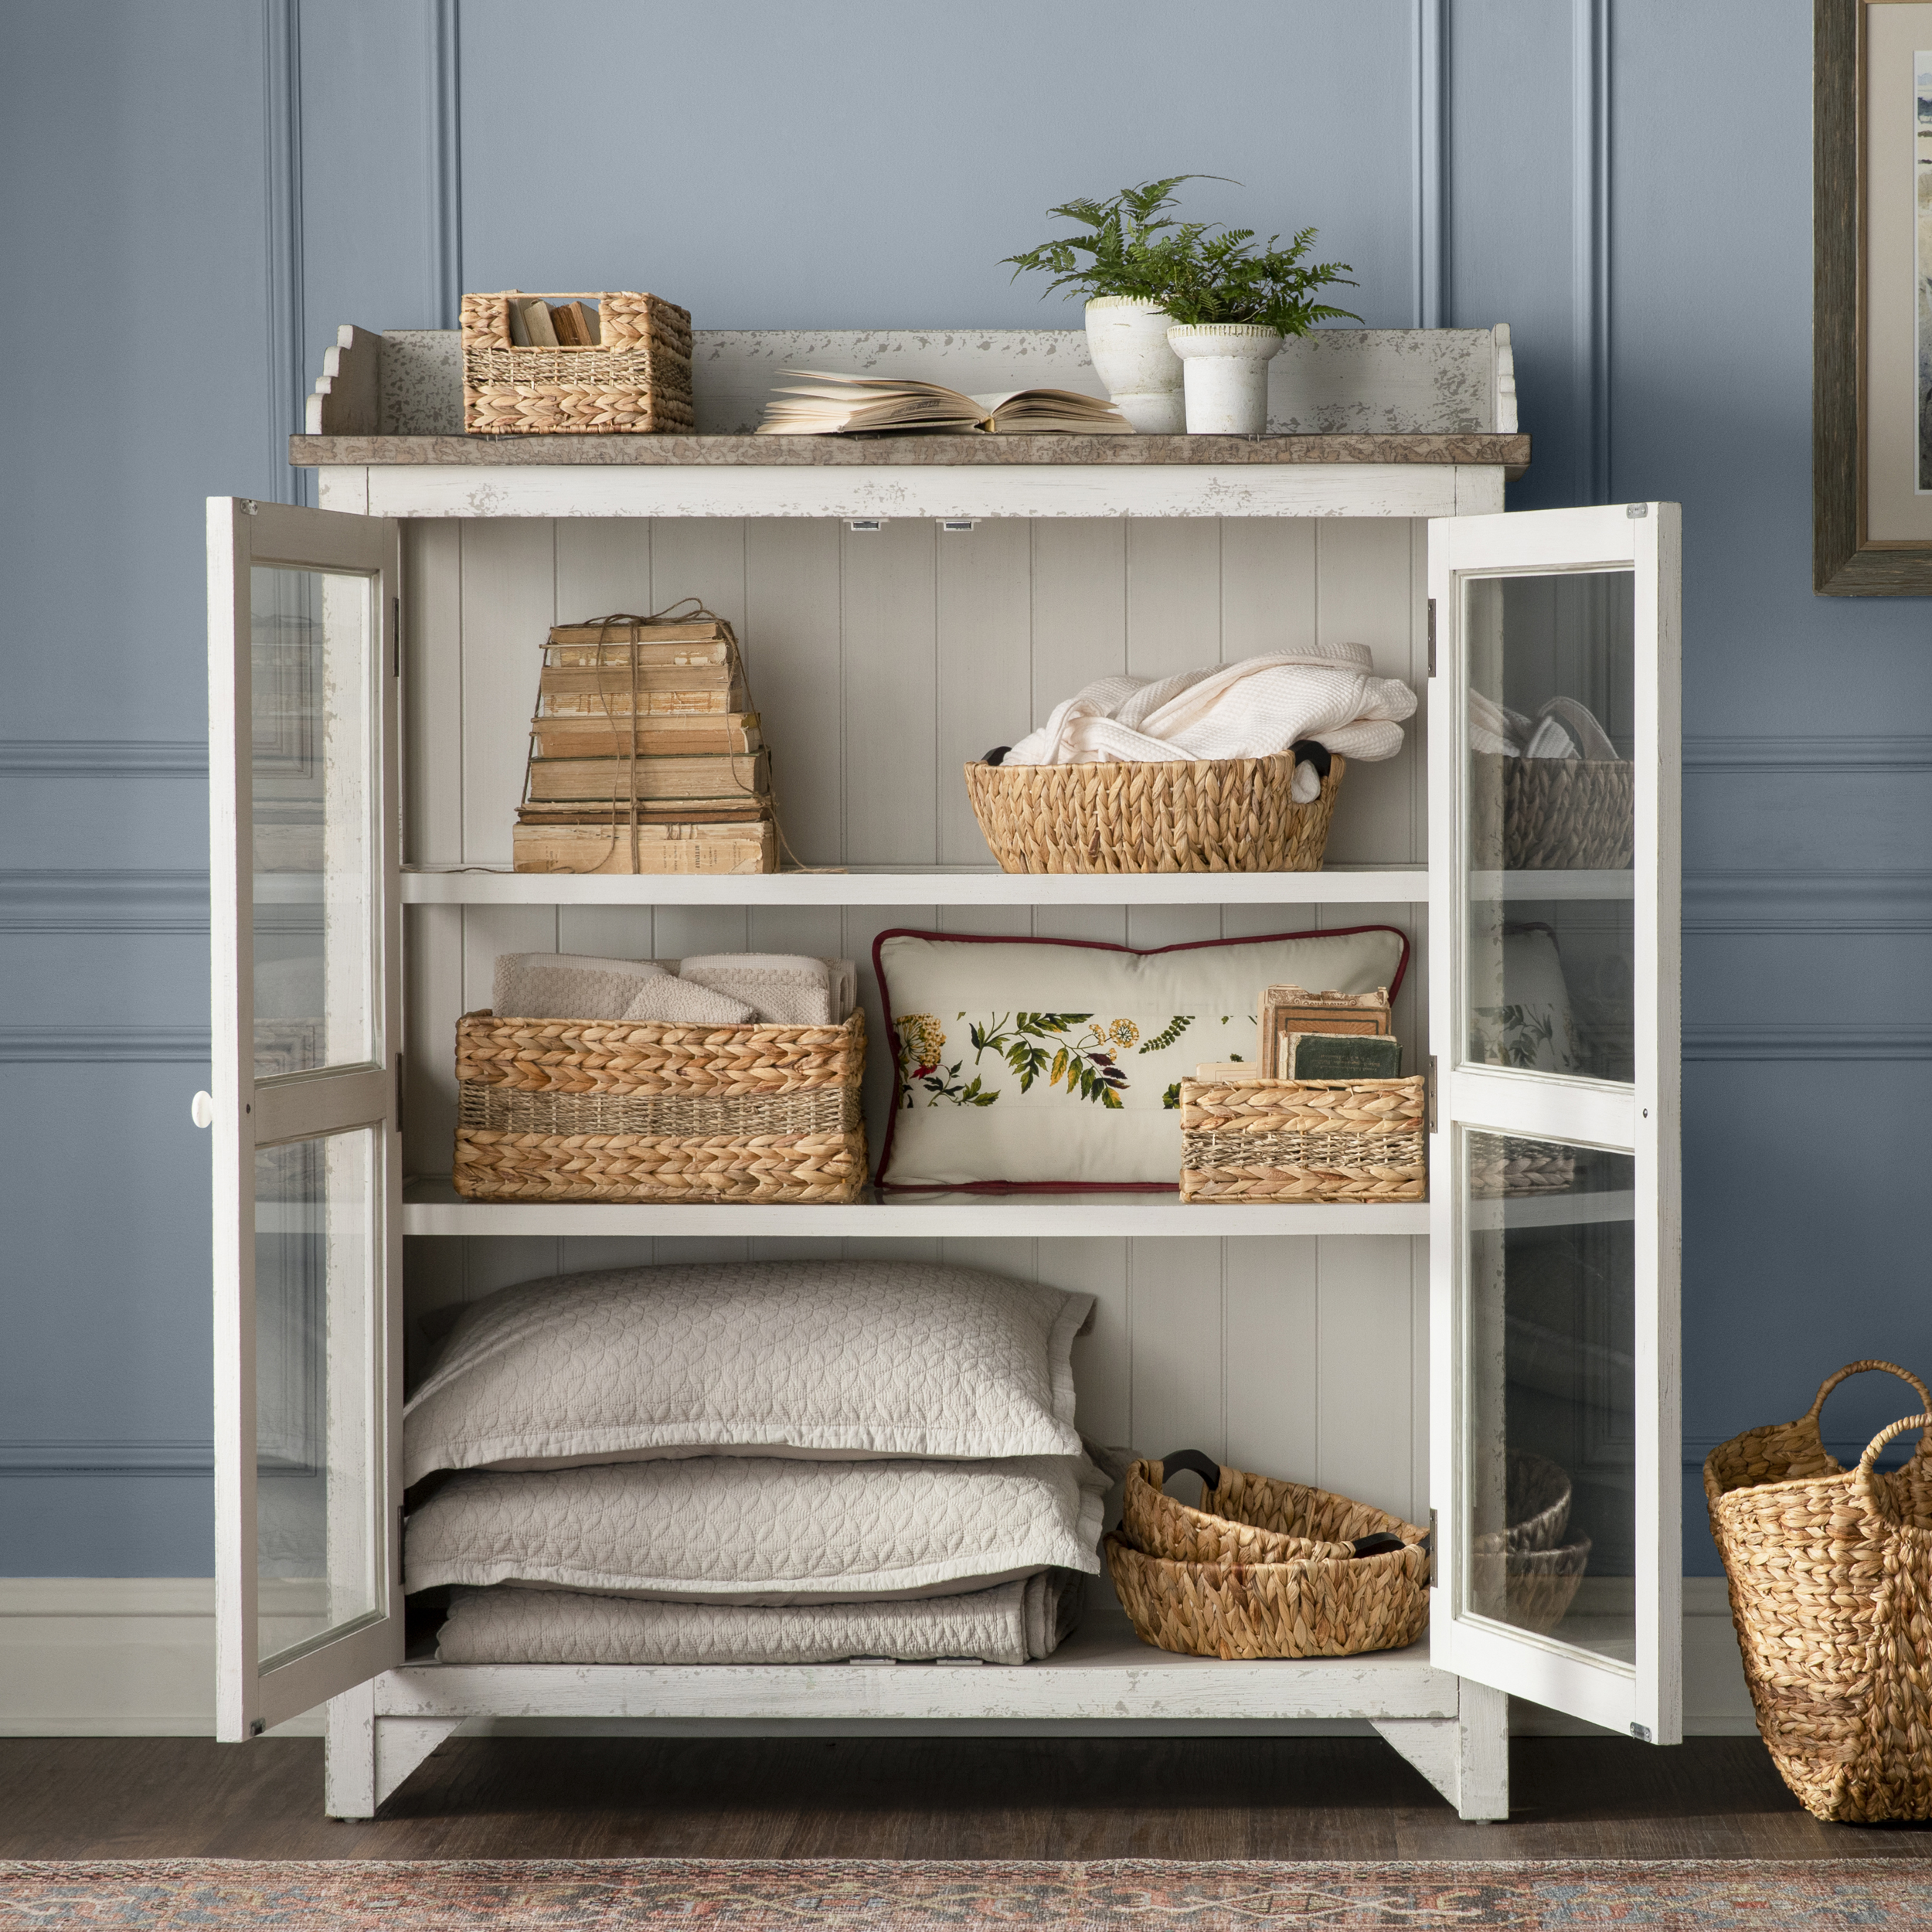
[(1275, 1576), (1556, 814), (1539, 1585), (1536, 1501), (1211, 815)]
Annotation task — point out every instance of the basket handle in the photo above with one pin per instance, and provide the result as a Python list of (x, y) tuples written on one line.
[(1859, 1368), (1890, 1433), (1193, 1463)]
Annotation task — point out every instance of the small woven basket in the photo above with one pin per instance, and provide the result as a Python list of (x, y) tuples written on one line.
[(1210, 814), (1556, 814), (1303, 1140), (564, 1109), (1264, 1568), (637, 380), (1831, 1587)]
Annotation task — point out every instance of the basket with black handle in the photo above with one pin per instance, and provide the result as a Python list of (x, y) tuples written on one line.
[(1264, 1568)]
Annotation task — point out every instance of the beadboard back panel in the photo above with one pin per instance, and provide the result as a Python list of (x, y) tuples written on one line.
[(881, 661)]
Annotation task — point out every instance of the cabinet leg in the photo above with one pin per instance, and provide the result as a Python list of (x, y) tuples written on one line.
[(1466, 1758), (368, 1756)]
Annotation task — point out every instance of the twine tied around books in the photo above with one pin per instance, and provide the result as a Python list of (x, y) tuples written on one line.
[(685, 610)]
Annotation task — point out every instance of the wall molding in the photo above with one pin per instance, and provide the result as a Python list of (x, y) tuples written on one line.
[(282, 178), (110, 1046), (103, 758), (1431, 307), (1815, 1043), (1773, 752), (446, 157), (108, 1457), (1744, 899), (108, 900), (1589, 240)]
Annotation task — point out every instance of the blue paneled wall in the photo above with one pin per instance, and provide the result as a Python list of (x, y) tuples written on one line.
[(198, 193)]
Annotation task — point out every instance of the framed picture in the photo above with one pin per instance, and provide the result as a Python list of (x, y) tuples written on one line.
[(1872, 320)]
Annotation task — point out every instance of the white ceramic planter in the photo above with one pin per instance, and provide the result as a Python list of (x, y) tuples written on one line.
[(1127, 338), (1226, 365)]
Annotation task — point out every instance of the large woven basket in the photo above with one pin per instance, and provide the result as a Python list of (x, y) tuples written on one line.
[(636, 380), (1212, 814), (1556, 814), (1303, 1140), (562, 1110), (1831, 1587), (1264, 1568)]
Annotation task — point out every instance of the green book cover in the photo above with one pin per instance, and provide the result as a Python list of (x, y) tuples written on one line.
[(1342, 1056)]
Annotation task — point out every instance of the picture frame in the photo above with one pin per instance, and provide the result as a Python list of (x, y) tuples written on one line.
[(1872, 314)]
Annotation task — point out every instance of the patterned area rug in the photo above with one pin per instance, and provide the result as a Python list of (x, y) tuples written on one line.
[(694, 1895)]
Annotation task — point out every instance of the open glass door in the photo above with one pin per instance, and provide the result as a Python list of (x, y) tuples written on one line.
[(1554, 1161), (306, 944)]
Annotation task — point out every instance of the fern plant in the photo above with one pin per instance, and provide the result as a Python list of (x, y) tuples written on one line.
[(1125, 244), (1221, 278), (1197, 271)]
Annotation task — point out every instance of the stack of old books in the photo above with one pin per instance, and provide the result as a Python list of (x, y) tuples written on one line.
[(644, 754)]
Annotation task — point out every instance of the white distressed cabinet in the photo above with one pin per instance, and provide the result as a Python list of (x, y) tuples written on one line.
[(904, 604)]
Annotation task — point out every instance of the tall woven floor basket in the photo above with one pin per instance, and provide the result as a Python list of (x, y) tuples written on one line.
[(1831, 1585)]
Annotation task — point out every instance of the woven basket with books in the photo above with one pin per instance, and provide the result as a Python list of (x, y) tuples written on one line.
[(562, 1110), (621, 367), (645, 756), (1247, 1139)]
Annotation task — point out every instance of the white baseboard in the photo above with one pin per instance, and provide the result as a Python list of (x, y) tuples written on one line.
[(134, 1657)]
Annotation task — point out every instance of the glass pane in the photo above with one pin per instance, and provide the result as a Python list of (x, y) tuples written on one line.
[(1551, 1372), (317, 1356), (313, 789), (1550, 812)]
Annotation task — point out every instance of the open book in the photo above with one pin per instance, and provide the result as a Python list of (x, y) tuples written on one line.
[(816, 404)]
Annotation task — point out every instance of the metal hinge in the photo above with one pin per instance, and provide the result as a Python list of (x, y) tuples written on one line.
[(1634, 510), (1432, 1550), (1640, 1732), (399, 1090), (1429, 1098), (396, 636), (1432, 636), (865, 524)]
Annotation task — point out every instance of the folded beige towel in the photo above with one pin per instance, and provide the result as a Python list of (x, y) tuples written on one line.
[(684, 1002), (789, 989), (568, 985)]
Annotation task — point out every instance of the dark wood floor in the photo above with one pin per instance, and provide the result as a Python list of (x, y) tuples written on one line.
[(909, 1798)]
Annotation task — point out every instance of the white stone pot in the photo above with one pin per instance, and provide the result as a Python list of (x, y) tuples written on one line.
[(1227, 375), (1127, 338)]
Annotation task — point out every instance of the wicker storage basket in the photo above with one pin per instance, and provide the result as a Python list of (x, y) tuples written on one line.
[(1264, 1569), (1529, 1167), (1556, 814), (562, 1110), (1830, 1586), (1212, 814), (636, 379), (1303, 1140), (1540, 1572)]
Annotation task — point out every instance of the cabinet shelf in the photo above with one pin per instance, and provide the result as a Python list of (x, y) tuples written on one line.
[(1378, 886), (432, 1207)]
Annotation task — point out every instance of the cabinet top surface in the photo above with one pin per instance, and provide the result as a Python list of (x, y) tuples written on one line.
[(1511, 452)]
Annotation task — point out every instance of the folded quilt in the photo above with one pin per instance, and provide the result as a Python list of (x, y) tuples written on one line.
[(674, 1002), (744, 1529), (1256, 708), (788, 989), (1014, 1623), (568, 985)]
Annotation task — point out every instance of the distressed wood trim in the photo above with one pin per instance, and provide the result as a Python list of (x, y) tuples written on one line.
[(1844, 562), (889, 452)]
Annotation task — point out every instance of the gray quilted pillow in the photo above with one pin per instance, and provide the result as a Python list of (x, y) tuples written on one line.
[(844, 1359), (753, 1530)]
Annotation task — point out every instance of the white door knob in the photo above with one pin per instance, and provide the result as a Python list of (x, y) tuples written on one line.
[(201, 1109)]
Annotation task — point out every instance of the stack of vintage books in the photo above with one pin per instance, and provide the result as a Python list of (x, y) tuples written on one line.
[(645, 755)]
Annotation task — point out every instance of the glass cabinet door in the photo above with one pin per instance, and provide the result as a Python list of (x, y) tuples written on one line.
[(1554, 1223), (305, 928)]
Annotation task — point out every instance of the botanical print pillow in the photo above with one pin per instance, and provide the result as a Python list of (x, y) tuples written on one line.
[(1054, 1063), (1529, 1024)]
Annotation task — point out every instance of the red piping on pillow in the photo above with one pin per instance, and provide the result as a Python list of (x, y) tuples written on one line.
[(1092, 945)]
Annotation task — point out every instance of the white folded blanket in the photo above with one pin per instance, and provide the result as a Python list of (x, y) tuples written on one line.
[(1256, 708), (676, 1001), (788, 989), (568, 985), (1012, 1624)]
